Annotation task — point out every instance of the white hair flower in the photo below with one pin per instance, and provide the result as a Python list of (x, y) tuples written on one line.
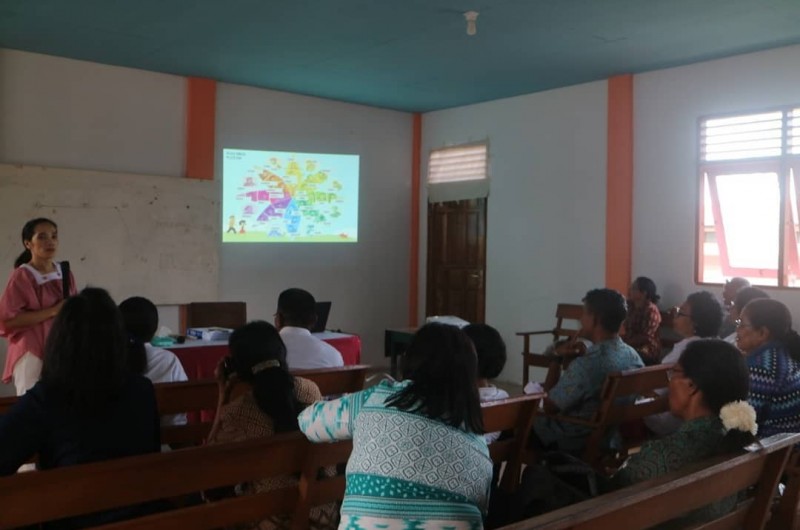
[(739, 415)]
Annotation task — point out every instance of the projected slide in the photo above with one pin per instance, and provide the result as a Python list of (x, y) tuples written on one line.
[(280, 197)]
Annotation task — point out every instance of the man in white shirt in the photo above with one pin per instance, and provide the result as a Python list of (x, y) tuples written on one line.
[(294, 319)]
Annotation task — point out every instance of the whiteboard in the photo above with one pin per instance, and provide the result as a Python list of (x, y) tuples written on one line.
[(142, 235)]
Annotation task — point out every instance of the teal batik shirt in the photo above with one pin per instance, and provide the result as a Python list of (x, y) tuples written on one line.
[(406, 471), (577, 393)]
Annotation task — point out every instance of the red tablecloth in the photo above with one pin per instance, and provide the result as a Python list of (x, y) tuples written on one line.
[(200, 358)]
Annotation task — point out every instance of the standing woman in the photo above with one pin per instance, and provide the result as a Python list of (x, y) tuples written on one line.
[(32, 298)]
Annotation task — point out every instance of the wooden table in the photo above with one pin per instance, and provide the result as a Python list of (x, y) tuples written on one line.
[(395, 342)]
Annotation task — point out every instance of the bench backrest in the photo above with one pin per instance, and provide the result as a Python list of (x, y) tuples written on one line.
[(514, 417), (619, 404), (194, 396), (84, 489), (656, 501)]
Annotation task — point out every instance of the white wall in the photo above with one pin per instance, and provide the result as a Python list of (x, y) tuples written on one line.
[(65, 113), (667, 106), (546, 211), (368, 280)]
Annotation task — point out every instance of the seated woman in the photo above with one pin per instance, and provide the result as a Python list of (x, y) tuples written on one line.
[(269, 405), (491, 351), (140, 316), (772, 350), (707, 389), (644, 318), (699, 316), (87, 406), (743, 297), (418, 458)]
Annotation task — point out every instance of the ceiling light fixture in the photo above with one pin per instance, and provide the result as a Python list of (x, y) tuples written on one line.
[(471, 17)]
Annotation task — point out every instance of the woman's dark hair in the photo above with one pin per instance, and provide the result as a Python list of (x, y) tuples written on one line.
[(85, 356), (648, 287), (608, 307), (490, 348), (706, 313), (773, 315), (442, 365), (720, 372), (747, 294), (140, 317), (273, 386), (28, 231)]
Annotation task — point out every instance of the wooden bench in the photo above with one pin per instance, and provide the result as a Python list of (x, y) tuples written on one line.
[(785, 514), (656, 501), (89, 488), (617, 407), (530, 358), (195, 396), (514, 417)]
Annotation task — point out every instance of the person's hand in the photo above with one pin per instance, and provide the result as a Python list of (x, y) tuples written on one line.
[(56, 309), (571, 349)]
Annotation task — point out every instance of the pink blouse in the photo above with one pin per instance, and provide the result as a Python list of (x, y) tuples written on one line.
[(29, 290)]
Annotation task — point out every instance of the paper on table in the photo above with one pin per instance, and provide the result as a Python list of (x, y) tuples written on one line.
[(533, 387)]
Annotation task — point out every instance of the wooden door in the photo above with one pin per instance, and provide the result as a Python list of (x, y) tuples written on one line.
[(457, 259)]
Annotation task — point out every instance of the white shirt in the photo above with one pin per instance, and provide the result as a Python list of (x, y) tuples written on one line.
[(164, 367), (306, 352)]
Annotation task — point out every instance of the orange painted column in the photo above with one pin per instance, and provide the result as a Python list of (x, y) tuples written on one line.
[(201, 109), (413, 266), (619, 183)]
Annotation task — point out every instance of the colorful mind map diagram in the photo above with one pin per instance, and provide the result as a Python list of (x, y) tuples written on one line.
[(273, 196)]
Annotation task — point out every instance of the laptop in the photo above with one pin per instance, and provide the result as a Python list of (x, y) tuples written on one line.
[(323, 310)]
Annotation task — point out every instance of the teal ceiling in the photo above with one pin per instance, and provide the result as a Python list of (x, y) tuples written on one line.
[(411, 55)]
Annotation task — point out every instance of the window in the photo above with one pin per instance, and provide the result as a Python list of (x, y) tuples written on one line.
[(458, 173), (749, 166)]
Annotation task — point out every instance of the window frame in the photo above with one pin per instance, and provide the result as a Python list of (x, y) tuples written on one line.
[(784, 165)]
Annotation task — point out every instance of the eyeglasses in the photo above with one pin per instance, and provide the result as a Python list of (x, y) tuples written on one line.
[(740, 324), (672, 372), (679, 313)]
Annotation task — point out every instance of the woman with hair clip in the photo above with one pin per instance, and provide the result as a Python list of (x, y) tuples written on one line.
[(419, 458), (772, 349), (708, 389), (270, 404), (32, 298), (644, 318)]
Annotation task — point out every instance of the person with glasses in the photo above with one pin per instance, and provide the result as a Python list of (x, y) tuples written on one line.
[(729, 292), (699, 316), (772, 351), (708, 389), (743, 297)]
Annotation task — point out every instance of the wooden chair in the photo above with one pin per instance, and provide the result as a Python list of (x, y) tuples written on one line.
[(529, 358), (617, 406), (514, 417), (206, 314), (85, 489), (656, 501)]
